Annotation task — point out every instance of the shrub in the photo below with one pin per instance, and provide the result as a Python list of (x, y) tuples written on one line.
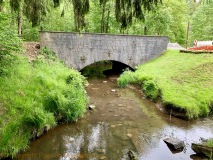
[(9, 40), (151, 89), (126, 78)]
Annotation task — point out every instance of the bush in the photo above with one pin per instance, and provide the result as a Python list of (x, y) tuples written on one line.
[(9, 40), (151, 89), (9, 43), (126, 78)]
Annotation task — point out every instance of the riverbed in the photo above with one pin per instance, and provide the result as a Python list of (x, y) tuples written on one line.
[(122, 120)]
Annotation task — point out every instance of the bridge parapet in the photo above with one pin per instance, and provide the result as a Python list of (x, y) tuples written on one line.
[(79, 50)]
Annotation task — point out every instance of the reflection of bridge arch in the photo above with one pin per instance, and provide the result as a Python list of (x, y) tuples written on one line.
[(81, 50)]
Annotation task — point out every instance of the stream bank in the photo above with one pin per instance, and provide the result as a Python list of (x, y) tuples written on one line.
[(182, 82), (121, 121)]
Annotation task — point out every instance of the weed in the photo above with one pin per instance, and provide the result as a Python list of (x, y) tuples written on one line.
[(210, 142), (126, 78)]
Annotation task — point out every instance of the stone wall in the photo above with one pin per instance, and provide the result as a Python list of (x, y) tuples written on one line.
[(80, 50)]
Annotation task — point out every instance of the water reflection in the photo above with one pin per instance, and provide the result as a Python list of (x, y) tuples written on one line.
[(97, 138), (73, 146), (121, 121), (90, 144)]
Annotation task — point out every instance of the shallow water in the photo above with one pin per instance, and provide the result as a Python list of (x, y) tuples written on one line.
[(122, 120)]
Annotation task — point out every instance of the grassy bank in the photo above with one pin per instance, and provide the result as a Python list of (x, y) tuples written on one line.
[(182, 81), (34, 97)]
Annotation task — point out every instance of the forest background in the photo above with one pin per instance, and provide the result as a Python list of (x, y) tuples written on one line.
[(182, 20)]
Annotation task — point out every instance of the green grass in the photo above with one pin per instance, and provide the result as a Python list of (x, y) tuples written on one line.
[(210, 143), (181, 80), (34, 96)]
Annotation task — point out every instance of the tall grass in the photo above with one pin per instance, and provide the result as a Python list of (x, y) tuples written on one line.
[(210, 143), (36, 95), (183, 81)]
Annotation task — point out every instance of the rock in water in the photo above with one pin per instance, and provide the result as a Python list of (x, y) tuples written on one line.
[(129, 135), (37, 46), (203, 149), (91, 107), (132, 155), (174, 143)]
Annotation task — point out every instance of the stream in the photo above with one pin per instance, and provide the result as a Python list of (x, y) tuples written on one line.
[(122, 120)]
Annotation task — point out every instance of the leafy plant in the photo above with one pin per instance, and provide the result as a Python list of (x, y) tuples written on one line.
[(9, 41), (47, 53), (151, 89), (126, 78)]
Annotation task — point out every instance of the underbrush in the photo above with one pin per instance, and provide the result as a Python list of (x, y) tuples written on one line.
[(35, 96), (182, 80)]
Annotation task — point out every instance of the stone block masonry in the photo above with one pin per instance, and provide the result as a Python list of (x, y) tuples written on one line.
[(78, 50)]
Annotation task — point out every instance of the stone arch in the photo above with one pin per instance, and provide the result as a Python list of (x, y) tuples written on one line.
[(79, 50)]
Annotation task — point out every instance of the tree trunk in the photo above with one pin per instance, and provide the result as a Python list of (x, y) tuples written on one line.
[(76, 20), (107, 24), (145, 30), (1, 7), (20, 22), (79, 21), (103, 15), (187, 35), (75, 9)]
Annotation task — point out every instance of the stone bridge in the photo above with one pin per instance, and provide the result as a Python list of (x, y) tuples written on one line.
[(79, 50)]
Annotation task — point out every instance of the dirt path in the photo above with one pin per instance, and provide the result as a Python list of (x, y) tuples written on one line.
[(31, 49), (174, 46)]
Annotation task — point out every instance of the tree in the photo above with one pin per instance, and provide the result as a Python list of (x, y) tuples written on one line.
[(179, 14), (201, 22), (103, 3), (9, 41), (32, 9), (80, 8), (125, 10), (17, 6), (1, 3), (158, 21), (191, 5), (105, 23)]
